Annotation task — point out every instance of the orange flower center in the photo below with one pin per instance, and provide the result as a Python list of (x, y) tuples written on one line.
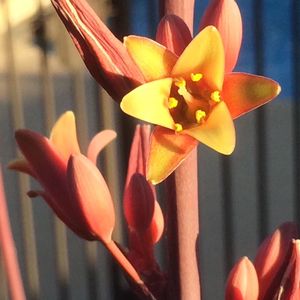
[(191, 101)]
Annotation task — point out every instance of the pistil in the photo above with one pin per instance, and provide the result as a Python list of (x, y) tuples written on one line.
[(192, 102)]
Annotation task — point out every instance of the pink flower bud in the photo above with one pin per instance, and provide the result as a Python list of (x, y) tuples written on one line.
[(138, 203), (143, 214), (289, 288), (50, 170), (183, 9), (141, 209), (173, 33), (88, 188), (272, 258), (226, 17), (46, 160), (104, 55), (242, 282)]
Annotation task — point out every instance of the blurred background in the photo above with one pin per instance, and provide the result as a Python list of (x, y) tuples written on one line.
[(242, 197)]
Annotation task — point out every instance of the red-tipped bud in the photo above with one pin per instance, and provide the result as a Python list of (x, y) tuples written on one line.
[(141, 209), (143, 214), (89, 190), (272, 258), (138, 203), (104, 55), (289, 288), (226, 17), (173, 33), (242, 282)]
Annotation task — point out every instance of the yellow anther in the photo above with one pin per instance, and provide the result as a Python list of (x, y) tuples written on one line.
[(172, 102), (178, 127), (196, 77), (200, 115), (215, 96)]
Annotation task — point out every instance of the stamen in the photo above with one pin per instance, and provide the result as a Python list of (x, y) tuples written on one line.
[(178, 127), (181, 84), (172, 102), (196, 77), (200, 115), (182, 91), (215, 96)]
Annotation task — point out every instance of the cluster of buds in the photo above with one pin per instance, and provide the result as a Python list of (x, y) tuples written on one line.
[(275, 274), (76, 191)]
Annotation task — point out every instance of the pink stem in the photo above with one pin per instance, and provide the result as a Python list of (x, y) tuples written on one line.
[(183, 231), (182, 203), (129, 270), (8, 249)]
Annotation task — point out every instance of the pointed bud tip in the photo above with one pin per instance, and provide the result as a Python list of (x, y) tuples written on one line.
[(138, 203), (242, 282), (173, 33)]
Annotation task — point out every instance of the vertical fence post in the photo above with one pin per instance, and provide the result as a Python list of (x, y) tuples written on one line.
[(81, 103), (49, 116), (261, 159), (295, 27), (17, 111), (110, 117), (8, 249)]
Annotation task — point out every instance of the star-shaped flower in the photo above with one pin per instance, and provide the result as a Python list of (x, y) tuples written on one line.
[(190, 97)]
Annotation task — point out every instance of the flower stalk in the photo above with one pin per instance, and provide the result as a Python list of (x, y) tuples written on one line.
[(183, 231), (183, 220), (8, 251), (127, 267)]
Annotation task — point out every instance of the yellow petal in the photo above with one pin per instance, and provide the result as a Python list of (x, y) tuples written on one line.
[(217, 131), (153, 59), (205, 55), (149, 102), (167, 151), (63, 136)]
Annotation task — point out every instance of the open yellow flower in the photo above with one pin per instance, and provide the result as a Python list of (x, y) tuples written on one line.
[(191, 97)]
